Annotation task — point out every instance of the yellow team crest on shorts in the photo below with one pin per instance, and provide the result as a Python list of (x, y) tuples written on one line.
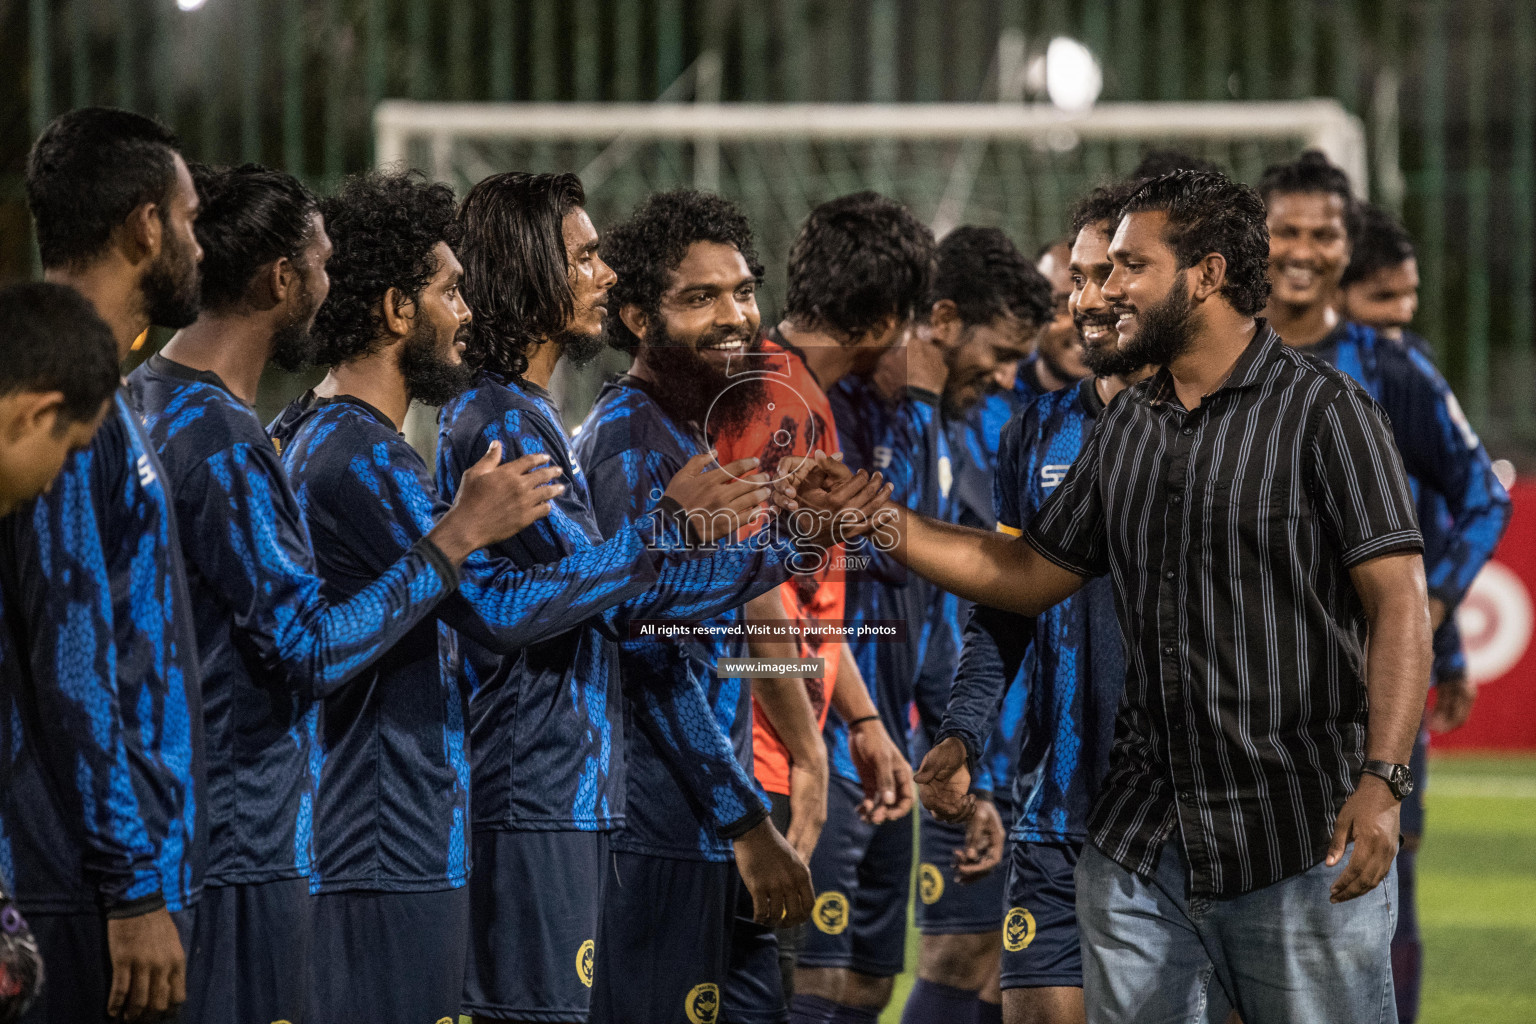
[(586, 957), (930, 884), (1018, 929), (703, 1003), (830, 912)]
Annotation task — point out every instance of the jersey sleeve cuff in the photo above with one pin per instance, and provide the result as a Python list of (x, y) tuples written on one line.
[(136, 908), (439, 561), (736, 829)]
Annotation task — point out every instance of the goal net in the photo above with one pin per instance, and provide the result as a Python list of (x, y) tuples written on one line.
[(1013, 165)]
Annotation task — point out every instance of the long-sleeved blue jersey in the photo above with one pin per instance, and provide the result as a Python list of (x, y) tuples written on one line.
[(102, 737), (546, 724), (393, 810), (269, 643), (690, 788), (1077, 672), (898, 437), (1440, 451)]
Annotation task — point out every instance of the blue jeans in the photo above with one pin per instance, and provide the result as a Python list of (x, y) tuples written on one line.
[(1279, 954)]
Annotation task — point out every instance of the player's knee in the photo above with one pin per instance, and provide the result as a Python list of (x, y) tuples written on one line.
[(822, 982), (866, 990), (1043, 1006), (960, 961)]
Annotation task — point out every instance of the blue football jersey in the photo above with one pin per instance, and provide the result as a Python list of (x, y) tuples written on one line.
[(691, 789), (102, 739), (546, 724), (1076, 672), (1440, 451), (270, 644), (393, 811), (896, 436)]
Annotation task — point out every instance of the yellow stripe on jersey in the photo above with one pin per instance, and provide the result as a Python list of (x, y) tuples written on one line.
[(1012, 531)]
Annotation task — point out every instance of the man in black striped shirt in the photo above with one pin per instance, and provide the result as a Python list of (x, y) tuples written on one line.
[(1252, 510)]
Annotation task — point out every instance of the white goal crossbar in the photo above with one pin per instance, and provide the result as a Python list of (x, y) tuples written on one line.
[(1321, 123)]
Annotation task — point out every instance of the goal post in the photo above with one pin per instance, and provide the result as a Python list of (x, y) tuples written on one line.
[(1013, 165), (1010, 164)]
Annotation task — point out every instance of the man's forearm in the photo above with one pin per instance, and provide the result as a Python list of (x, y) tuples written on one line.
[(784, 702), (982, 566), (1398, 663), (850, 696)]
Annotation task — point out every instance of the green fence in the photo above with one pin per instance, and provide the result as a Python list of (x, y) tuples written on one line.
[(1445, 87)]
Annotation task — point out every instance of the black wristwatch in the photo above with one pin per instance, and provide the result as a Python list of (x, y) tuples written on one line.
[(1398, 777)]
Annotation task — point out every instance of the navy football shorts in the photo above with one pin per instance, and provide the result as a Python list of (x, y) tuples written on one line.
[(683, 947), (944, 906), (250, 953), (862, 875), (77, 969), (389, 957), (535, 899), (1040, 940)]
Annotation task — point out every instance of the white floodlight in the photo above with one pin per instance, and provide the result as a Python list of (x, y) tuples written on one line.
[(1073, 79)]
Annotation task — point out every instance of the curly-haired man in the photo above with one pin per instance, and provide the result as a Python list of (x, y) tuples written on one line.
[(686, 299)]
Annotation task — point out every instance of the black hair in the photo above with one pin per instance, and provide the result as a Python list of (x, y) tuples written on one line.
[(1158, 162), (1383, 242), (1312, 172), (88, 171), (383, 227), (983, 273), (857, 260), (645, 249), (52, 339), (1209, 212), (250, 216), (516, 277), (1103, 203)]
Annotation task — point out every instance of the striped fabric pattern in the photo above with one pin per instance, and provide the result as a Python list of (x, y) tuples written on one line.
[(1229, 532)]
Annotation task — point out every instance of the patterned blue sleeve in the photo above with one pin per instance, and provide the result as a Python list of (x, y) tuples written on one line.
[(672, 706), (67, 612), (1442, 452), (242, 528), (690, 585), (393, 505), (995, 641)]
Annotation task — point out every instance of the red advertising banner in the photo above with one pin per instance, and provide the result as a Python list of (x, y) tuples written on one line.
[(1497, 619)]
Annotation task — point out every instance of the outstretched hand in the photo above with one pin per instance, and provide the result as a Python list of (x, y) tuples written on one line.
[(984, 841), (944, 782), (830, 504)]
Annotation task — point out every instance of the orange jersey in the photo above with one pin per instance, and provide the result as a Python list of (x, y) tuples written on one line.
[(796, 420)]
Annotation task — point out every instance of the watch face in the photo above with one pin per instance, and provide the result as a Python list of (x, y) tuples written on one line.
[(1402, 781)]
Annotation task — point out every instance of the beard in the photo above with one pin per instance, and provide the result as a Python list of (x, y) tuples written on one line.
[(293, 347), (171, 284), (691, 389), (429, 377), (580, 349), (1105, 360), (1162, 331)]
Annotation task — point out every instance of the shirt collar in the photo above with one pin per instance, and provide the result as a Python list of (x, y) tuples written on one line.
[(1262, 348), (181, 371)]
